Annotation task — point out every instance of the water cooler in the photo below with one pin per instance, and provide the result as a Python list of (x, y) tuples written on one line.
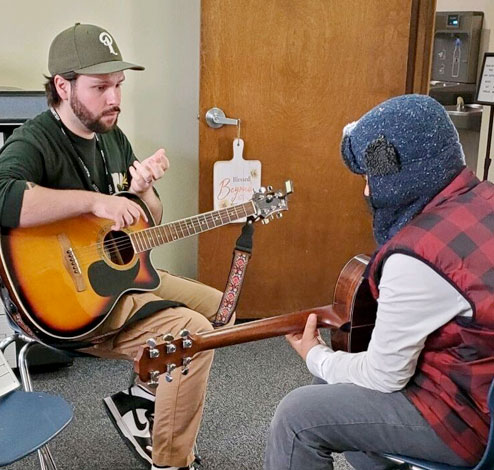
[(455, 56), (455, 59)]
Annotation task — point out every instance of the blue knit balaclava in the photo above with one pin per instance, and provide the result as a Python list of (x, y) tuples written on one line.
[(409, 150)]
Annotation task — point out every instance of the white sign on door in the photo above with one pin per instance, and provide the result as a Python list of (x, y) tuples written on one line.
[(235, 180)]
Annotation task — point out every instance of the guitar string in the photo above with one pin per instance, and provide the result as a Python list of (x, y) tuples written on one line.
[(115, 245), (197, 225), (182, 225)]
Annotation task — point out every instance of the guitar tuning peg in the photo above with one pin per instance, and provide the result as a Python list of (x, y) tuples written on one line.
[(270, 188), (186, 341), (185, 365), (186, 361), (153, 352), (170, 348), (153, 378), (169, 369), (262, 189), (168, 338), (279, 215)]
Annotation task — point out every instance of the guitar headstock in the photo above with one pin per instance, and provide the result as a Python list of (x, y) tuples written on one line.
[(155, 359), (269, 203)]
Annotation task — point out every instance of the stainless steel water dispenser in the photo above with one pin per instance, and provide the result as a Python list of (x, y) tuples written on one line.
[(456, 46), (455, 55)]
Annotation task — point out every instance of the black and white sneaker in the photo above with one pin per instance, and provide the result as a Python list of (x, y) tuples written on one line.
[(132, 413)]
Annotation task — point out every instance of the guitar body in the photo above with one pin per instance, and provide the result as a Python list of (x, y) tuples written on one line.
[(65, 277), (354, 301)]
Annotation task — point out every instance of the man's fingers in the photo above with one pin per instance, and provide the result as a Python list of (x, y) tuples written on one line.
[(143, 172), (129, 219), (157, 165), (140, 211), (119, 223)]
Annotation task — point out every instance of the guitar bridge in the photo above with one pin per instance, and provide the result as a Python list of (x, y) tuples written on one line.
[(71, 262)]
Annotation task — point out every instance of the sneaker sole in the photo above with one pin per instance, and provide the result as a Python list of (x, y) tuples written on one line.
[(124, 432)]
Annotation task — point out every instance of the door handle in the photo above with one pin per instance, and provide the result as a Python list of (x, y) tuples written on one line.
[(215, 118)]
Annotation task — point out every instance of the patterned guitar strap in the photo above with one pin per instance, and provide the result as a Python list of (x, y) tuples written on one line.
[(241, 256)]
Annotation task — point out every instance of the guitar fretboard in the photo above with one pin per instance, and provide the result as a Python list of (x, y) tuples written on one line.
[(149, 238)]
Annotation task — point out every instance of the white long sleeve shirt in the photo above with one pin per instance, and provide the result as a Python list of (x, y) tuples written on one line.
[(413, 302)]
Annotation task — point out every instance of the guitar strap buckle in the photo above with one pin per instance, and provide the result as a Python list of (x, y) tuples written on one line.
[(241, 257)]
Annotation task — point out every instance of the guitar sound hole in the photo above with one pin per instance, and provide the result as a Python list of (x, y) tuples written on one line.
[(118, 248)]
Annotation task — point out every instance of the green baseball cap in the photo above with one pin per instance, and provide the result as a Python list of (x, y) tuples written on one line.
[(86, 49)]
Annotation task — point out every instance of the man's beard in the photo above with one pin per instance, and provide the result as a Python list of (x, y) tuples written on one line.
[(93, 123)]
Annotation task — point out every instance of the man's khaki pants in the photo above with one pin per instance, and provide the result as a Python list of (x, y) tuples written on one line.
[(179, 404)]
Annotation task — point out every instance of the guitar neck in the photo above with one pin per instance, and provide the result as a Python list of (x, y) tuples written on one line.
[(144, 240), (147, 365), (327, 317)]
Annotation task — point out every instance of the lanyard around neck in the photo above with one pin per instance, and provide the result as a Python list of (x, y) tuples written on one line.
[(111, 189)]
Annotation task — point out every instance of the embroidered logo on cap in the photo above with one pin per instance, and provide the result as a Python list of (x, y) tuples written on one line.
[(107, 41)]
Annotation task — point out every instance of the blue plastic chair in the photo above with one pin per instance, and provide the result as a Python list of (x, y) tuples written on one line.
[(28, 419), (485, 463)]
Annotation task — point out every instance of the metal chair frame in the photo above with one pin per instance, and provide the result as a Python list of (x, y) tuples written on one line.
[(44, 454)]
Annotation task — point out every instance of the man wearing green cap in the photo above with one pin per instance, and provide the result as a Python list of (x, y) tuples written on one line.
[(70, 161)]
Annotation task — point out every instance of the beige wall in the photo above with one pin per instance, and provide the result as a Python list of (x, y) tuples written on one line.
[(159, 105)]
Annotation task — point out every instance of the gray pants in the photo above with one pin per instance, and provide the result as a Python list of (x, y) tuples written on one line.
[(314, 421)]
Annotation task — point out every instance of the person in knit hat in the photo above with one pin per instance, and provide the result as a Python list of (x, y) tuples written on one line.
[(409, 150), (420, 389)]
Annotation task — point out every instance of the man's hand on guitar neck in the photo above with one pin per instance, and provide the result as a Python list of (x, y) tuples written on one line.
[(304, 342)]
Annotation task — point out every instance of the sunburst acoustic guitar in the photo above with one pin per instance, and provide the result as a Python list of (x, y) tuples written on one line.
[(64, 278)]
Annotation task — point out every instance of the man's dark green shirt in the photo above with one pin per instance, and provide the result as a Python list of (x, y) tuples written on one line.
[(39, 152)]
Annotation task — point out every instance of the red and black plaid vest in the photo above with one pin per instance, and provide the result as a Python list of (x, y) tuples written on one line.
[(454, 235)]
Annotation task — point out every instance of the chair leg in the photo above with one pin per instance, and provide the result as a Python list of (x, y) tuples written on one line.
[(45, 458)]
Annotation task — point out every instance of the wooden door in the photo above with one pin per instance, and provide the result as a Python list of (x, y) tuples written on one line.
[(295, 72)]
